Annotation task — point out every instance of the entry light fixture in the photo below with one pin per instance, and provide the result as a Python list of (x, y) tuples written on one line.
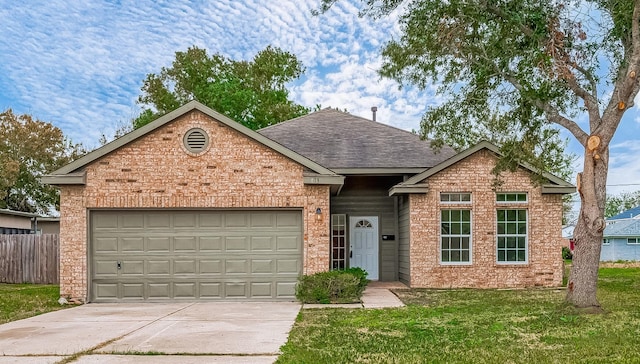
[(318, 214)]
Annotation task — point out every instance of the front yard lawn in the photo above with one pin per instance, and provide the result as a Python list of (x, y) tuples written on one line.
[(477, 326), (19, 301)]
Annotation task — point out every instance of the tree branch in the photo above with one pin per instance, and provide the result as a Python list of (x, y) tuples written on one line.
[(590, 79), (590, 102), (552, 114), (590, 98), (627, 83)]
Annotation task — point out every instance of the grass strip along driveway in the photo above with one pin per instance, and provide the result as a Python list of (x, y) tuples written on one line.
[(19, 301), (477, 326)]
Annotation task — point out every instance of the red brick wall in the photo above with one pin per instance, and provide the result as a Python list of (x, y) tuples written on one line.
[(156, 171), (544, 267)]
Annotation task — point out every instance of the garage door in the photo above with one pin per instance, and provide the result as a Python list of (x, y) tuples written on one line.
[(194, 255)]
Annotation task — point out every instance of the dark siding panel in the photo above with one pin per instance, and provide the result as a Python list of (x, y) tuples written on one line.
[(404, 267)]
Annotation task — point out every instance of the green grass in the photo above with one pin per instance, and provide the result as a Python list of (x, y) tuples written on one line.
[(477, 326), (19, 301)]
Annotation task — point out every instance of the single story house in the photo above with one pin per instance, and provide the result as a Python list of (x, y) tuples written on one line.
[(621, 237), (18, 222), (195, 206)]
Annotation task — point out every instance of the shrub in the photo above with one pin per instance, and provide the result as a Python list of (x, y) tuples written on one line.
[(336, 286), (566, 253), (359, 273)]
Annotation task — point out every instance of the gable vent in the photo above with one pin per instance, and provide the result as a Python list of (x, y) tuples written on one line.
[(196, 140)]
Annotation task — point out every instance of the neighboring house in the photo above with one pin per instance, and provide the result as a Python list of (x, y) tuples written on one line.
[(49, 225), (621, 237), (196, 206), (16, 222)]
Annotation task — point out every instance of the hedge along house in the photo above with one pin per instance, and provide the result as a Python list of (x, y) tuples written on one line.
[(196, 206)]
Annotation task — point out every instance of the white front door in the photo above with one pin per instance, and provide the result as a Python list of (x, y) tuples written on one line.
[(364, 244)]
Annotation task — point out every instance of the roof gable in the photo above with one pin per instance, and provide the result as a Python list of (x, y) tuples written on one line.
[(347, 143), (72, 173), (414, 184)]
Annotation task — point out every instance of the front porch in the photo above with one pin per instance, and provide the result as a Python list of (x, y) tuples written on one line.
[(364, 227)]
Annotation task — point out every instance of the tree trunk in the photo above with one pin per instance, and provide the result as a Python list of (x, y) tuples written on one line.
[(583, 279)]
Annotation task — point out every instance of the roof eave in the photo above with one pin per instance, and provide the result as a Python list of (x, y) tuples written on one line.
[(408, 189), (379, 171), (65, 179), (322, 179), (17, 213), (555, 189)]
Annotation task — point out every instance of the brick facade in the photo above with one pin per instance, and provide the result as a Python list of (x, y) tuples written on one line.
[(473, 174), (156, 171), (237, 172)]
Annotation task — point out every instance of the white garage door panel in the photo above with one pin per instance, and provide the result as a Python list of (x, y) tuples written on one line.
[(173, 255)]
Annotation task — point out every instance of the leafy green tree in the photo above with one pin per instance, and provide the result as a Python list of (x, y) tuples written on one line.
[(29, 149), (535, 63), (250, 92), (621, 202)]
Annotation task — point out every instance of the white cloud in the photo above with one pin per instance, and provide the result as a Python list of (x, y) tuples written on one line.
[(80, 65), (624, 169)]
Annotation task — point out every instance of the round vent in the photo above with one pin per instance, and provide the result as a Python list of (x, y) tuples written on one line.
[(196, 140)]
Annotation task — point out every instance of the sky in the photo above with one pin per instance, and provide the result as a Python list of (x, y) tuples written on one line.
[(80, 64)]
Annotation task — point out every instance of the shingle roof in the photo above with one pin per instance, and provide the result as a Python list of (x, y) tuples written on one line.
[(631, 213), (628, 228), (339, 140)]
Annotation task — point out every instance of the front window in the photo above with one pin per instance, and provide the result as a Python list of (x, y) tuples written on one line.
[(605, 242), (633, 241), (455, 236), (512, 236)]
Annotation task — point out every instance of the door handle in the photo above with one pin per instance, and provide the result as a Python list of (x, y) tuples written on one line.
[(119, 265)]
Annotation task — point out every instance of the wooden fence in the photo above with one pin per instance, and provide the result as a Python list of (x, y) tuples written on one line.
[(29, 258)]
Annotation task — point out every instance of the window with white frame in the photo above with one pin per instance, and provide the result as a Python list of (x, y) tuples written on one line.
[(512, 236), (605, 242), (455, 236), (449, 197), (511, 197), (633, 241), (338, 241)]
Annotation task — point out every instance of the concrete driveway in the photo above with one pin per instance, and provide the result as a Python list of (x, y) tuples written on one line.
[(229, 332)]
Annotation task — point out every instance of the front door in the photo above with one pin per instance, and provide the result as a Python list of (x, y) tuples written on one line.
[(364, 244)]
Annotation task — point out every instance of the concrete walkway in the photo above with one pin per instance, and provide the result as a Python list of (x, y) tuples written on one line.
[(376, 295)]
